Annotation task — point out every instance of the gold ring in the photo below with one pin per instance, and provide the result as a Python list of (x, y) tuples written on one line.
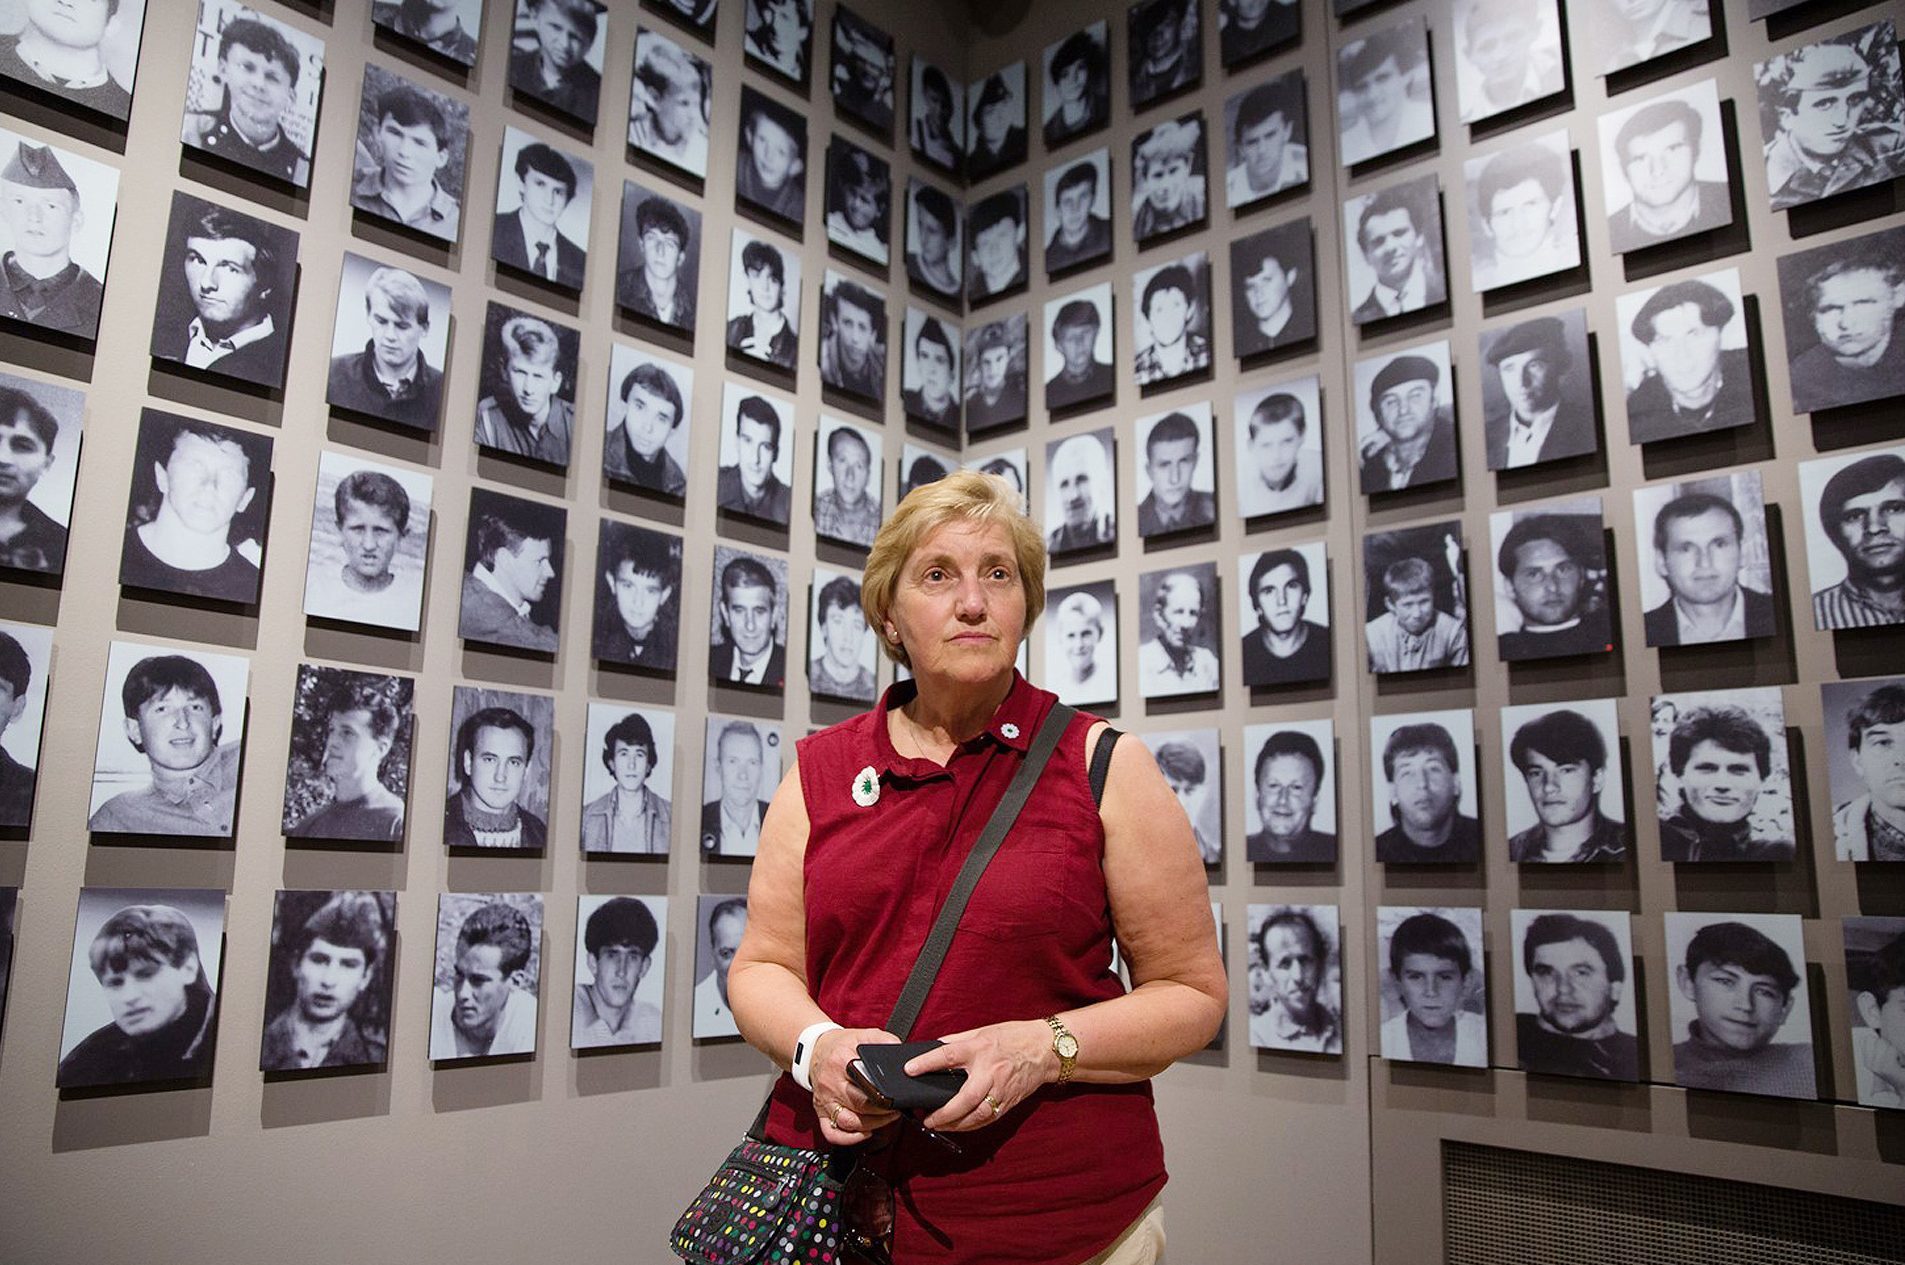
[(995, 1105), (833, 1115)]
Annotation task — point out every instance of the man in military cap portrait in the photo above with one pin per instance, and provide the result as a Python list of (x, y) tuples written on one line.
[(998, 128), (254, 87), (1538, 419), (995, 387), (39, 281), (1828, 131), (1414, 443)]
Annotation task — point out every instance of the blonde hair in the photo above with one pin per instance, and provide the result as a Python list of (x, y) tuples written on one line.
[(964, 495)]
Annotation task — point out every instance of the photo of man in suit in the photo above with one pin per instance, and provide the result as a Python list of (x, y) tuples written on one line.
[(1398, 231), (731, 822), (528, 238), (1546, 411), (1698, 546), (225, 309), (511, 562), (753, 623)]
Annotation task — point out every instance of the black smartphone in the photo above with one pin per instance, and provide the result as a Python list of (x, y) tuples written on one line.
[(883, 1066)]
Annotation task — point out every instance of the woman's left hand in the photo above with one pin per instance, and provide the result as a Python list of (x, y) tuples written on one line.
[(1004, 1064)]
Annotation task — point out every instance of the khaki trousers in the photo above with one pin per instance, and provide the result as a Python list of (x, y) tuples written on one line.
[(1142, 1243)]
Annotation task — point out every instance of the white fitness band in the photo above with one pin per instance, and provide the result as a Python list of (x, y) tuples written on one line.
[(804, 1052)]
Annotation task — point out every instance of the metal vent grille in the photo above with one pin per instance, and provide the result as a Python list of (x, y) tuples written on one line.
[(1504, 1207)]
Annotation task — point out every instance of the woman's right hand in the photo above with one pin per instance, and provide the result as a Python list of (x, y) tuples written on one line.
[(848, 1114)]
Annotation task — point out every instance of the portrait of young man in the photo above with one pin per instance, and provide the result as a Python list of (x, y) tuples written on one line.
[(1522, 223), (1292, 795), (448, 28), (1844, 308), (527, 407), (1673, 180), (936, 129), (1855, 538), (658, 259), (1434, 985), (1386, 78), (1078, 209), (1285, 615), (26, 653), (1079, 347), (255, 88), (1875, 970), (757, 458), (1173, 314), (1741, 1010), (1568, 760), (40, 427), (1701, 541), (370, 527), (1832, 115), (859, 199), (225, 305), (669, 103), (1423, 791), (499, 770), (845, 654), (763, 301), (1081, 644), (1396, 266), (1279, 448), (328, 993), (512, 572), (720, 922), (1295, 975), (1076, 96), (935, 259), (632, 753), (619, 969), (1191, 761), (742, 766), (852, 337), (1727, 776), (153, 954), (995, 133), (1247, 29), (542, 209), (771, 175), (84, 53), (1272, 289), (997, 229), (1686, 358), (930, 381), (1177, 474), (1165, 47), (57, 211), (408, 166), (1170, 174), (390, 325), (1622, 33), (347, 775), (197, 509), (1406, 424), (637, 617), (779, 36), (486, 974), (1573, 1013), (1266, 134), (649, 399), (1537, 393), (747, 643), (1177, 656), (1081, 499), (1865, 745), (995, 380), (555, 55), (847, 483), (1507, 55), (864, 68), (1553, 591), (171, 737)]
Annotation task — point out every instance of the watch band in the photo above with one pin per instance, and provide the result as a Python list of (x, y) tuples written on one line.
[(804, 1052), (1062, 1040)]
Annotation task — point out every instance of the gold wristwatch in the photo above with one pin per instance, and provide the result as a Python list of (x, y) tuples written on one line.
[(1065, 1045)]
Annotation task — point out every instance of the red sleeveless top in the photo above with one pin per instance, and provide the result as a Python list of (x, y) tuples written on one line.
[(1064, 1172)]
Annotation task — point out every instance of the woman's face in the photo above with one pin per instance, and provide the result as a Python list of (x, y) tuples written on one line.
[(960, 605)]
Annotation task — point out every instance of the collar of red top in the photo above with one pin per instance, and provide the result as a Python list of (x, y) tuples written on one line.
[(1012, 725)]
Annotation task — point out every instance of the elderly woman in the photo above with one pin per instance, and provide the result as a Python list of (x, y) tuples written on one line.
[(1058, 1158)]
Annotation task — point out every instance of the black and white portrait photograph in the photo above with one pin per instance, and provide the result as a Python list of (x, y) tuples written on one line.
[(757, 455), (1393, 250), (40, 427), (1171, 320), (370, 543), (1875, 973), (1613, 35), (1554, 590), (1170, 178), (763, 300), (500, 761), (543, 197), (847, 473), (1273, 289), (779, 36), (1844, 309), (771, 167), (451, 29), (1507, 55), (693, 15), (997, 228), (637, 617), (26, 654), (747, 632), (1075, 92), (1567, 760), (935, 253), (720, 922), (1279, 448), (1266, 137), (1854, 513), (1686, 358), (658, 258), (56, 219), (1737, 997), (1177, 472), (1433, 985), (1164, 45), (1865, 764), (1081, 495), (670, 99), (920, 466), (197, 509), (1538, 391), (1521, 215), (1415, 603), (1078, 212), (1014, 465), (930, 381), (1079, 346), (329, 986), (1191, 761), (1249, 29), (251, 97), (995, 130), (224, 300), (1666, 168), (487, 974), (620, 965), (1426, 797), (859, 201), (1574, 1012), (83, 54), (740, 768), (556, 49), (844, 653), (1296, 970), (998, 366), (390, 344), (650, 398), (526, 404), (512, 572), (864, 71), (1722, 779), (936, 127), (853, 333), (411, 156), (1284, 614), (1405, 420), (1177, 646), (140, 1004), (171, 738), (1290, 803), (1832, 115), (347, 775), (1705, 567), (628, 779), (1081, 643), (1383, 101)]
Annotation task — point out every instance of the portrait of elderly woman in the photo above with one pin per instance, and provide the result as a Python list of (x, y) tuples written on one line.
[(1057, 1055)]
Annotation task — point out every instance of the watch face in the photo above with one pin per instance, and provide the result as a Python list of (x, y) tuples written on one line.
[(1067, 1046)]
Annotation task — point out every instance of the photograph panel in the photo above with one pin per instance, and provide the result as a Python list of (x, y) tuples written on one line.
[(1741, 1009), (1561, 778), (370, 543), (620, 967), (1290, 802), (329, 987), (501, 759), (347, 774), (1723, 781), (1296, 978), (637, 616), (740, 767), (1434, 987), (251, 97), (1574, 1012), (628, 780), (171, 740), (487, 975), (1284, 612), (1081, 643), (1426, 786)]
